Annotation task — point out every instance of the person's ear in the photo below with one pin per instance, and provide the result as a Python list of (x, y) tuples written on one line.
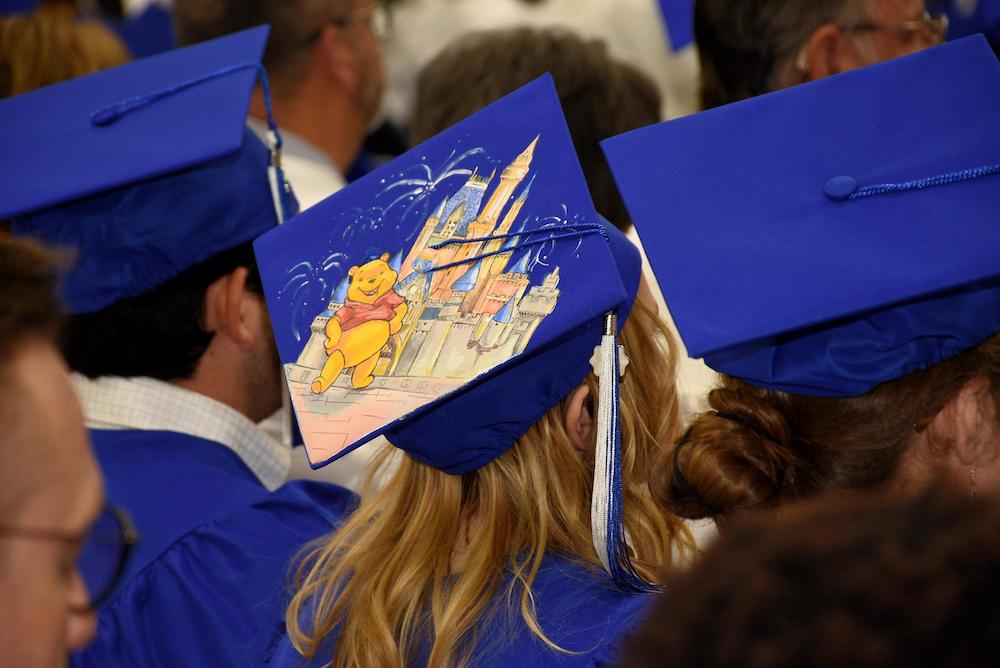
[(828, 51), (579, 420), (958, 428), (226, 304), (338, 58)]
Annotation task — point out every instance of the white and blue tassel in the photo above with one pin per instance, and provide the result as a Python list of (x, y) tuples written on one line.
[(609, 363)]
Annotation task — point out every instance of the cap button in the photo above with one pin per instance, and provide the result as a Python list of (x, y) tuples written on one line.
[(839, 188)]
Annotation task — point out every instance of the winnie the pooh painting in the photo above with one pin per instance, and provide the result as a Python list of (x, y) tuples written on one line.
[(357, 332)]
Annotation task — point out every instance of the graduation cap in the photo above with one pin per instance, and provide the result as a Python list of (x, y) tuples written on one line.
[(507, 280), (678, 16), (833, 236), (145, 169)]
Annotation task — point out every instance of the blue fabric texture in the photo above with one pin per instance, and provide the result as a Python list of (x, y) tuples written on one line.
[(162, 187), (678, 15), (577, 606), (51, 153), (170, 483), (217, 594), (132, 239), (778, 271)]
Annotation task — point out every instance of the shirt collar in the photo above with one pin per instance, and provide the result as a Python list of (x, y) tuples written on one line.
[(115, 403), (293, 144)]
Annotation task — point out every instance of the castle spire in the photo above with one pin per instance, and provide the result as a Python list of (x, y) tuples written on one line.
[(339, 295), (396, 261), (505, 314), (468, 279), (522, 265)]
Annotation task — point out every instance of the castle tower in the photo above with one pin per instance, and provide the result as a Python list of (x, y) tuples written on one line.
[(495, 264), (510, 179), (459, 218), (425, 234), (471, 194), (495, 291), (540, 301), (498, 325), (396, 263)]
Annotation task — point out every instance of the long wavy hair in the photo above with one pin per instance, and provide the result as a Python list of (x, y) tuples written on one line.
[(385, 582)]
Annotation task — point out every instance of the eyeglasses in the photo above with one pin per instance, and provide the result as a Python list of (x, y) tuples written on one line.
[(377, 15), (932, 28), (104, 551)]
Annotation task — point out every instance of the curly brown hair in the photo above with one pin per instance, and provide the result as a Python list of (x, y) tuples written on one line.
[(861, 581), (760, 447)]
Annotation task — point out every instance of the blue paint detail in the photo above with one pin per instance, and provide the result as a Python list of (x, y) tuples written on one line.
[(505, 314), (522, 265), (340, 293), (469, 279)]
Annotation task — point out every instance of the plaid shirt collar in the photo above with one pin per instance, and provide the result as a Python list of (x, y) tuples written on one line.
[(115, 403)]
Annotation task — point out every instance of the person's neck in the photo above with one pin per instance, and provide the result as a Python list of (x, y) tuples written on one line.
[(219, 376), (328, 122)]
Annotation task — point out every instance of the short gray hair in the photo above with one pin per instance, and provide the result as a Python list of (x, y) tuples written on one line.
[(744, 44)]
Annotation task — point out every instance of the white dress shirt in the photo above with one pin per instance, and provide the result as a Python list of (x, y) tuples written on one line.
[(311, 173)]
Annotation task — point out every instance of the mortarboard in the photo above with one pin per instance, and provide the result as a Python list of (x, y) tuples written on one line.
[(678, 16), (452, 297), (145, 169), (830, 237)]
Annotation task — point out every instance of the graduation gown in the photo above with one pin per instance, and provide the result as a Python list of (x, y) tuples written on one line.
[(170, 483), (578, 607), (215, 597)]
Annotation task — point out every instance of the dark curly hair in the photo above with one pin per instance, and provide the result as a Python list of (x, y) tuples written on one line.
[(864, 581)]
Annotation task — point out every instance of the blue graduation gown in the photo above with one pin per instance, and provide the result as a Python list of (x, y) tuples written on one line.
[(215, 596), (170, 483), (577, 605)]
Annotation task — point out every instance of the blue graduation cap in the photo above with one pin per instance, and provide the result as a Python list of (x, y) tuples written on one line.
[(827, 238), (455, 354), (678, 15), (145, 169)]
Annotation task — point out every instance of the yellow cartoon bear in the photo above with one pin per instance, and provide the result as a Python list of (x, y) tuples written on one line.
[(357, 332)]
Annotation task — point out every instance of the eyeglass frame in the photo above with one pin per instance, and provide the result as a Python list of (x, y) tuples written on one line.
[(364, 14), (129, 539), (937, 24)]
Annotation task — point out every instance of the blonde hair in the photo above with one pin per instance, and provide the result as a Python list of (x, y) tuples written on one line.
[(52, 45), (384, 582)]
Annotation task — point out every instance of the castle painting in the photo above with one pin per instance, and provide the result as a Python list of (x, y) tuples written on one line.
[(408, 325)]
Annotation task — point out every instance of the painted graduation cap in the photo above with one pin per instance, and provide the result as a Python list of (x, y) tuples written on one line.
[(492, 318), (145, 169), (827, 238)]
